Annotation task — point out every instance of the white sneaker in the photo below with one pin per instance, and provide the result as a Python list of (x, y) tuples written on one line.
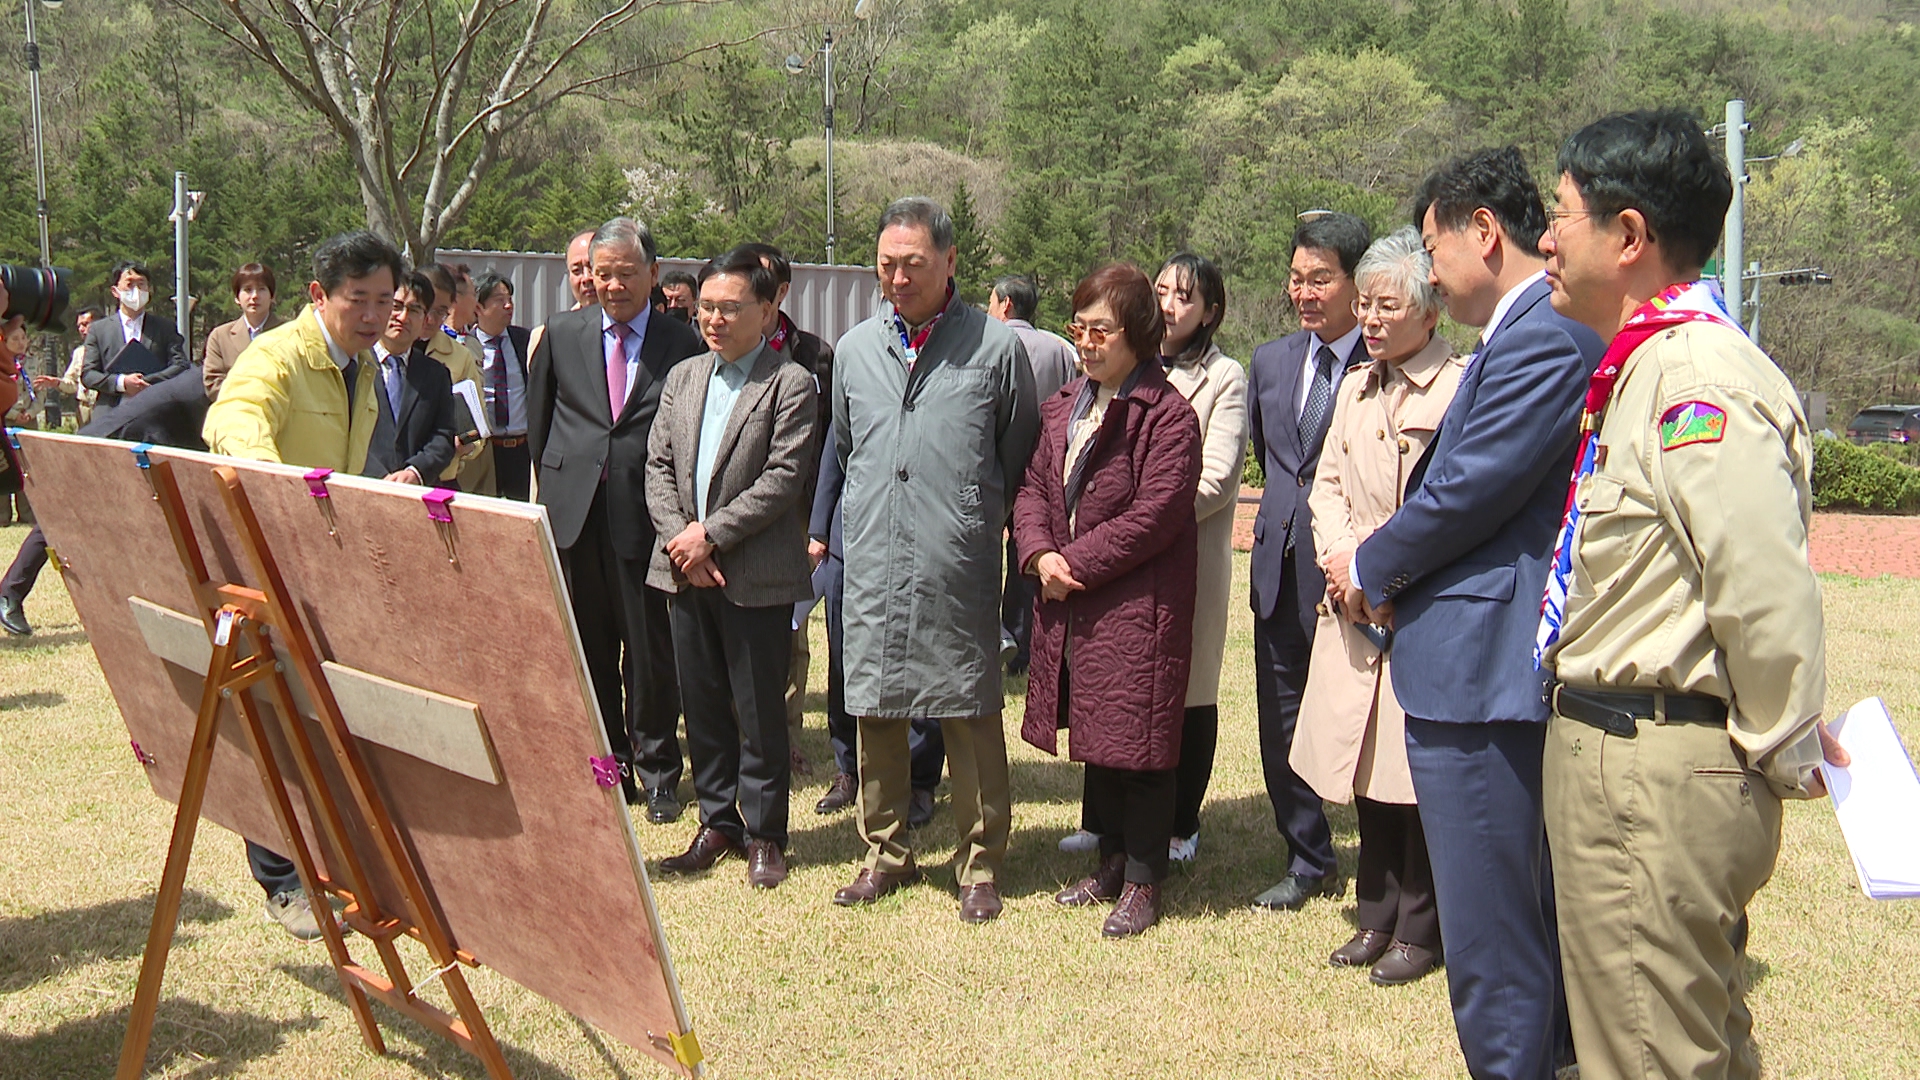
[(1079, 841), (1181, 848)]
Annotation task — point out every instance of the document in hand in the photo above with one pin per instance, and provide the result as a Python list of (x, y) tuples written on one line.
[(470, 394), (1877, 799), (136, 359)]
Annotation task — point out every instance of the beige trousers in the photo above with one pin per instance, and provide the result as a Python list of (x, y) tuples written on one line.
[(982, 801), (1659, 842)]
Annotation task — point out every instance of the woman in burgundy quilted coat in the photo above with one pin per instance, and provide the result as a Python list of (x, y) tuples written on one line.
[(1105, 521)]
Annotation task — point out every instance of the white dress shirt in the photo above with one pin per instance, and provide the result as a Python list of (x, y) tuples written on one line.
[(130, 331), (638, 324), (497, 350), (1342, 348)]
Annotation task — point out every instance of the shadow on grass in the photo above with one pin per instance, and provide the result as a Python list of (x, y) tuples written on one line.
[(190, 1041), (44, 640), (40, 946), (33, 699), (427, 1052)]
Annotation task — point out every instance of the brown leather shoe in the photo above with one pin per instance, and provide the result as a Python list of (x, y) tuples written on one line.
[(766, 866), (1102, 886), (840, 794), (980, 903), (1403, 964), (871, 885), (1364, 949), (707, 848), (1139, 908)]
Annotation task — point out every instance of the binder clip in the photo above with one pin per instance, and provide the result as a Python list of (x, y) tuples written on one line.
[(606, 770), (145, 465), (317, 488), (440, 509)]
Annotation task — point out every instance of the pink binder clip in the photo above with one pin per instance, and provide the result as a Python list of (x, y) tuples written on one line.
[(606, 770), (440, 509), (317, 482), (140, 755)]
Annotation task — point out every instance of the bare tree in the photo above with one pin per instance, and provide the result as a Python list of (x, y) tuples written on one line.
[(426, 94)]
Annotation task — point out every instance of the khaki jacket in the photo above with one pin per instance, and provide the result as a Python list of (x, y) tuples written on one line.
[(284, 400), (225, 343), (1215, 385), (472, 469), (1690, 567), (1351, 735)]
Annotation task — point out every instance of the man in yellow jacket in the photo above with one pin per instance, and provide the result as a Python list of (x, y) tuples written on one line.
[(303, 394)]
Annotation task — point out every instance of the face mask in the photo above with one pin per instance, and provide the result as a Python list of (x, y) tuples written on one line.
[(133, 299)]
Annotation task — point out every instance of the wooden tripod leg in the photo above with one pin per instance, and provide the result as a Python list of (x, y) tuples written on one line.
[(274, 781), (166, 906)]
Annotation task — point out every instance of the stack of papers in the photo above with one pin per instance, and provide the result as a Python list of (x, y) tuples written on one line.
[(1877, 799)]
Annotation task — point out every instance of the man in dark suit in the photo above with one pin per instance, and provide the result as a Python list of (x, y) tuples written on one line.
[(592, 390), (102, 367), (1459, 571), (503, 362), (726, 468), (413, 438), (1290, 388)]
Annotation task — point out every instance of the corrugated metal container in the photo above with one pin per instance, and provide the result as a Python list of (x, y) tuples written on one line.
[(827, 300)]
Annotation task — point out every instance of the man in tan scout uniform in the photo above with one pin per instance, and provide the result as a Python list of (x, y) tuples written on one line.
[(1682, 622)]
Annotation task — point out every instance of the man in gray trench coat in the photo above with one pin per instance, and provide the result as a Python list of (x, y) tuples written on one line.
[(934, 416)]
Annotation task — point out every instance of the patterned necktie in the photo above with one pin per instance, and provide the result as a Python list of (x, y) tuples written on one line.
[(1313, 418), (617, 368), (499, 381), (390, 368)]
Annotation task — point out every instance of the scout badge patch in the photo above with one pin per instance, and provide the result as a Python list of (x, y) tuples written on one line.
[(1692, 422)]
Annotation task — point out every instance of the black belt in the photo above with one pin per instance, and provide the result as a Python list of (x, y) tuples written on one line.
[(508, 441), (1616, 712)]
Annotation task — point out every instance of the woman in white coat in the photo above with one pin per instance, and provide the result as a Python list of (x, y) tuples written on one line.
[(1350, 744)]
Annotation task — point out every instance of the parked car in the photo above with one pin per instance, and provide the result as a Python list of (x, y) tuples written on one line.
[(1885, 423)]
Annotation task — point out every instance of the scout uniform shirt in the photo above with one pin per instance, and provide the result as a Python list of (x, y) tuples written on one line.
[(1690, 569)]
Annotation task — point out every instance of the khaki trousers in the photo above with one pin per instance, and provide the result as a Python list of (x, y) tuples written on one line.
[(1659, 842), (982, 801)]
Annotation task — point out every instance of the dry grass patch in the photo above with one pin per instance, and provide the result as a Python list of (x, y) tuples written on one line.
[(787, 985)]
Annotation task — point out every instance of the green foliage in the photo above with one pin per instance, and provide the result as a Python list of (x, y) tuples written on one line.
[(1253, 474), (1849, 477), (974, 271)]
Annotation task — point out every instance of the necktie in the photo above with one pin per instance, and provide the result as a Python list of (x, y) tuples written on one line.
[(390, 370), (617, 368), (352, 374), (499, 381), (1313, 418)]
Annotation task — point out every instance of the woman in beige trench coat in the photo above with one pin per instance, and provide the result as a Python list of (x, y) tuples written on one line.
[(1350, 744)]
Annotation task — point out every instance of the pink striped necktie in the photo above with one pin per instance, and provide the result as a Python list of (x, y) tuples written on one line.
[(617, 368)]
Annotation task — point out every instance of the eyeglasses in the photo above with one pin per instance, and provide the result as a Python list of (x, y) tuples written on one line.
[(1555, 216), (1094, 336), (409, 309), (1386, 307), (1318, 286), (728, 310)]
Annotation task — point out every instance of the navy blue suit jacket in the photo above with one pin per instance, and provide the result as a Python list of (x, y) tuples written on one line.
[(1273, 393), (825, 522), (1465, 558)]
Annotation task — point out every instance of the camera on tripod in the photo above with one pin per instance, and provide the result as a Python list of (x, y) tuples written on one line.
[(36, 293)]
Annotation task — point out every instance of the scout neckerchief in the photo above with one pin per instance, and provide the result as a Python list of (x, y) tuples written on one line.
[(913, 343), (1684, 302), (778, 342)]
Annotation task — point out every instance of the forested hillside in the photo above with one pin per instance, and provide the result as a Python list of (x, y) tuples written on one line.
[(1063, 133)]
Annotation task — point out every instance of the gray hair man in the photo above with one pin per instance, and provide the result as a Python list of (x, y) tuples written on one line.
[(934, 417), (592, 390)]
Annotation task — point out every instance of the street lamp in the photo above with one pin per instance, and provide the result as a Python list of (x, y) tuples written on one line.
[(797, 65), (1735, 130), (39, 142)]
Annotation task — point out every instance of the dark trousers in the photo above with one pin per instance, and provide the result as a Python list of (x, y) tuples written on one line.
[(1199, 734), (1479, 790), (628, 639), (1281, 649), (27, 564), (1016, 609), (1132, 810), (513, 471), (1394, 882), (733, 684), (274, 871), (926, 745)]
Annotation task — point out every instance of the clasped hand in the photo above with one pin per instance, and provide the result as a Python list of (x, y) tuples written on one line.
[(692, 555), (1056, 577), (1342, 593)]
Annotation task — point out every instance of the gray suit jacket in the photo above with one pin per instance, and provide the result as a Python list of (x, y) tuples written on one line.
[(756, 516)]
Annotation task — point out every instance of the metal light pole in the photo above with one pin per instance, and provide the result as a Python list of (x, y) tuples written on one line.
[(182, 308), (1730, 266), (826, 56), (39, 149)]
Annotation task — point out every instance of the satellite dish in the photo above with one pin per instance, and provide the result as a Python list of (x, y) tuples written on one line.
[(795, 65), (863, 9)]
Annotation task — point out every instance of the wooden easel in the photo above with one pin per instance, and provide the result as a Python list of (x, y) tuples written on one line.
[(244, 625)]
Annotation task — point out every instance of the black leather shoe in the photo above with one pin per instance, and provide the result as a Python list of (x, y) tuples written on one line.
[(662, 807), (707, 848), (1295, 890), (766, 865), (919, 808), (1403, 964), (871, 885), (840, 794), (12, 619), (1363, 950)]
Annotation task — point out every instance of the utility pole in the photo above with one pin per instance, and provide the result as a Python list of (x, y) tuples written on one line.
[(182, 303), (39, 140), (1730, 266), (826, 55)]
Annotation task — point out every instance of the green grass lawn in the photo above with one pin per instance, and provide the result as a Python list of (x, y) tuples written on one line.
[(787, 985)]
